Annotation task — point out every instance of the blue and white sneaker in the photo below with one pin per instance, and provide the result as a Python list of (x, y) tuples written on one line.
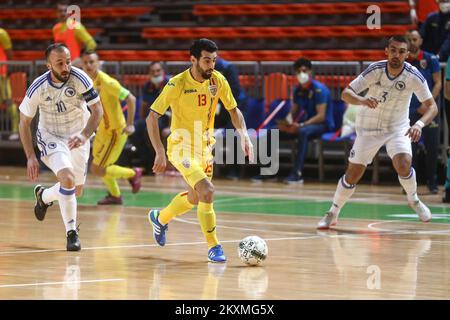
[(159, 230), (215, 254)]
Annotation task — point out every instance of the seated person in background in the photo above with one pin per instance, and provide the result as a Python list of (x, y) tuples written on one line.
[(150, 92), (428, 65), (311, 99), (223, 119)]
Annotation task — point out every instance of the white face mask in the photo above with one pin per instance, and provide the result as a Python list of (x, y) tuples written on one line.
[(157, 80), (444, 7), (303, 77)]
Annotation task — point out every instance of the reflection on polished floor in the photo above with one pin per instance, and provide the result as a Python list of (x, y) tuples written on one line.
[(377, 256)]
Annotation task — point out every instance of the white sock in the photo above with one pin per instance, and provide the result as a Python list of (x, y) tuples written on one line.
[(409, 184), (51, 194), (68, 207), (343, 192)]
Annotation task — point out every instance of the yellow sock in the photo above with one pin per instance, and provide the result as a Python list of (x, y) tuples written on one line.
[(111, 185), (176, 207), (119, 172), (207, 218)]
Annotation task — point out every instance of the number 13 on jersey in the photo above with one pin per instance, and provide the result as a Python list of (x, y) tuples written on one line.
[(201, 100)]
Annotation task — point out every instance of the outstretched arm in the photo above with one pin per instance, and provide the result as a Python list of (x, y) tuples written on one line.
[(350, 96), (153, 132), (239, 123), (131, 103), (92, 124), (431, 112), (27, 143)]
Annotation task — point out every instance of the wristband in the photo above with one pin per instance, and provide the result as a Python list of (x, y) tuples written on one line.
[(420, 124)]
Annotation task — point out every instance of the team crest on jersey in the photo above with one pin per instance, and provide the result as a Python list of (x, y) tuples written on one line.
[(186, 163), (52, 145), (212, 89), (423, 63), (69, 92), (400, 85)]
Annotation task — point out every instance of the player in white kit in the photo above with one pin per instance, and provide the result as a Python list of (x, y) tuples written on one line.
[(62, 95), (384, 120)]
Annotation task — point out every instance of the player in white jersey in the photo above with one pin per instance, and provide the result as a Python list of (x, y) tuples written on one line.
[(62, 95), (384, 120)]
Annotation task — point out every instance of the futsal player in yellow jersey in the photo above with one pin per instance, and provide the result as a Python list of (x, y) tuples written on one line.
[(112, 132), (193, 96), (6, 54)]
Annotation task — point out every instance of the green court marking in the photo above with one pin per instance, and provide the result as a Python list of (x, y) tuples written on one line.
[(241, 204)]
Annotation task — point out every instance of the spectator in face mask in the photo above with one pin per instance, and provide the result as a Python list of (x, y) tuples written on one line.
[(151, 91), (311, 99), (435, 31)]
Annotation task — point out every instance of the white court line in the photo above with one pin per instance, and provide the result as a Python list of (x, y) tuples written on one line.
[(305, 236), (150, 245), (372, 227), (248, 229), (55, 283), (315, 195)]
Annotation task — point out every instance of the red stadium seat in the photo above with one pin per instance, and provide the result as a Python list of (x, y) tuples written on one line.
[(135, 79), (275, 87), (39, 34), (49, 13), (237, 55), (298, 9), (18, 82), (272, 32)]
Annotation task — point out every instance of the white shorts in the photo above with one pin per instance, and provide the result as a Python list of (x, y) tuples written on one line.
[(366, 147), (56, 155)]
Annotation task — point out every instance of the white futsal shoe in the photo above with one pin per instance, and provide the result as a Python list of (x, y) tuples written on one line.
[(421, 209), (329, 220)]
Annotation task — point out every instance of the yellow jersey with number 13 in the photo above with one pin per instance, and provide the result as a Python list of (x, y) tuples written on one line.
[(193, 106)]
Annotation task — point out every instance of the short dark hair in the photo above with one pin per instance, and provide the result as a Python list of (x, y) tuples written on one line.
[(63, 3), (86, 51), (397, 38), (202, 44), (156, 62), (302, 62), (54, 46)]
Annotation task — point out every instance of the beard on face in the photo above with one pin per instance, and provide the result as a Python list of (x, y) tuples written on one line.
[(395, 63), (63, 76), (413, 49), (205, 74)]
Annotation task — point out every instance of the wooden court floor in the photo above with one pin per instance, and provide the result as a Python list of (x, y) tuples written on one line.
[(379, 250)]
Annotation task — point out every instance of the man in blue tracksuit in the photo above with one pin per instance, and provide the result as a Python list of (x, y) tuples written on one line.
[(435, 31), (428, 65), (311, 112)]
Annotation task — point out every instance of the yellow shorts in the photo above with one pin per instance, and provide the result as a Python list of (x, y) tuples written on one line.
[(193, 169), (5, 89), (108, 146)]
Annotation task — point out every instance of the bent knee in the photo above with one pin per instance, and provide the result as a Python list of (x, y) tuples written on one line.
[(97, 170), (206, 194), (192, 198), (67, 179)]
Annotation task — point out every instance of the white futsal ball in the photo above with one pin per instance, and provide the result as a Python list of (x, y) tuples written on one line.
[(252, 250)]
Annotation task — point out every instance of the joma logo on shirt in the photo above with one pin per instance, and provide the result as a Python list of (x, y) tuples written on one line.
[(190, 91)]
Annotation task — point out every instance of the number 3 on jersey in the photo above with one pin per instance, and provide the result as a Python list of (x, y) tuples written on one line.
[(383, 99), (202, 100)]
